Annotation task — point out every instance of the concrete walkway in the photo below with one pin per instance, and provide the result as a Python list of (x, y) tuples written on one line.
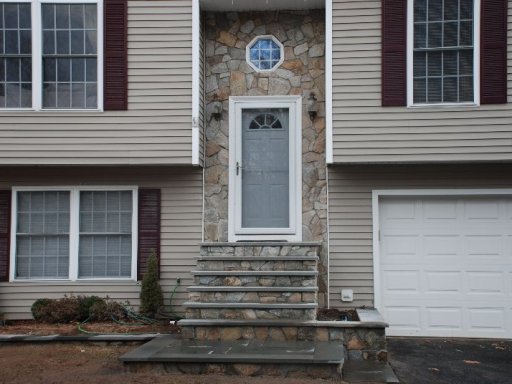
[(451, 361)]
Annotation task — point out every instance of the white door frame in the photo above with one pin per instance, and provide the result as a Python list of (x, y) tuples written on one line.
[(376, 194), (236, 104)]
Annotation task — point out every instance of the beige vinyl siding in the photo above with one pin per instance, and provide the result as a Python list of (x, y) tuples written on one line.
[(181, 223), (363, 131), (157, 128), (350, 213)]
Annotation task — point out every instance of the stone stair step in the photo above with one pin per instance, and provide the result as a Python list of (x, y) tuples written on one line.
[(369, 372), (242, 357), (217, 288)]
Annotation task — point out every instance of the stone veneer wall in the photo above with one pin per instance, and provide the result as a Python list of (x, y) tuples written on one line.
[(303, 71)]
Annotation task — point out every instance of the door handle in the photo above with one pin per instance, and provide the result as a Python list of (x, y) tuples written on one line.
[(238, 168)]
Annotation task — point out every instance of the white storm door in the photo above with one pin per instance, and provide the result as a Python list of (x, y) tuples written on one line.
[(264, 169)]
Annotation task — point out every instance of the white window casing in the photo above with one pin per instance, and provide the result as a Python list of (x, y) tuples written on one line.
[(410, 60), (74, 231)]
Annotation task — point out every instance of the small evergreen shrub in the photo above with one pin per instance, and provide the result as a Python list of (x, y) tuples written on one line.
[(151, 296), (106, 310), (76, 309)]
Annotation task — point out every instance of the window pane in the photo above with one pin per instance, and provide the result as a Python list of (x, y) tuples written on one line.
[(77, 42), (420, 90), (451, 10), (105, 234), (450, 63), (420, 11), (63, 95), (434, 90), (62, 16), (90, 16), (77, 16), (450, 91), (420, 36), (42, 249), (48, 42), (450, 35), (466, 62), (466, 33), (48, 13), (420, 65), (24, 15), (11, 42), (63, 42), (435, 10), (466, 88), (11, 16), (49, 70), (434, 60), (435, 36)]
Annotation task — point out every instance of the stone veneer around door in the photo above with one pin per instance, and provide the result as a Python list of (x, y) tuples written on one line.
[(227, 73)]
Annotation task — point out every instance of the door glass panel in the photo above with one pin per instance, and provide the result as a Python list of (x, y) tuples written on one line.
[(265, 168)]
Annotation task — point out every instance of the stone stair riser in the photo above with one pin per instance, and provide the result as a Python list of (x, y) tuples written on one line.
[(249, 250), (250, 313), (259, 265), (363, 343), (253, 297), (252, 281)]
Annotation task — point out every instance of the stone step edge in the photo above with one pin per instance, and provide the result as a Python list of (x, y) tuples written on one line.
[(254, 273), (279, 323), (262, 244), (258, 258), (202, 304), (241, 288)]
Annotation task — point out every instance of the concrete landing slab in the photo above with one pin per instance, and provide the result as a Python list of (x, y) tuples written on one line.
[(167, 349), (364, 371)]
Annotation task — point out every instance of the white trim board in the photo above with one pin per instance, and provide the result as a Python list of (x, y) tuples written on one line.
[(236, 104), (329, 157), (196, 93), (377, 194)]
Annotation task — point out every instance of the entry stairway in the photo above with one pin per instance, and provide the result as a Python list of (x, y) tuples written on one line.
[(252, 311)]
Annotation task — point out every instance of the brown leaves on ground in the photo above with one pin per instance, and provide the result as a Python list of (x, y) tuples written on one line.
[(471, 362)]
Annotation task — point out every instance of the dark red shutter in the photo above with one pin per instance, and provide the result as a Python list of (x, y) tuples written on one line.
[(149, 228), (115, 77), (5, 234), (394, 52), (493, 52)]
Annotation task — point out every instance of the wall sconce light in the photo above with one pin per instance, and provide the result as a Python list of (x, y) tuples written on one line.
[(217, 110), (312, 106)]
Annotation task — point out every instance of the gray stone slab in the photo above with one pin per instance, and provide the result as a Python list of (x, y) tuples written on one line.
[(365, 371), (166, 349)]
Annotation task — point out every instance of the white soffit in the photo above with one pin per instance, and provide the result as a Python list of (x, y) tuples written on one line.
[(260, 5)]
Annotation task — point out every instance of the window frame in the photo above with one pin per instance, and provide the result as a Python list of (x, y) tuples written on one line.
[(37, 56), (74, 231), (254, 41), (410, 60)]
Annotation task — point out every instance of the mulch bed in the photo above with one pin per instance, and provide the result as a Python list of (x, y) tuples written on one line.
[(33, 328), (333, 314)]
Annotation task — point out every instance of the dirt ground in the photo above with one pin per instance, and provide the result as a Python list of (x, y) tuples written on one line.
[(77, 363), (30, 327)]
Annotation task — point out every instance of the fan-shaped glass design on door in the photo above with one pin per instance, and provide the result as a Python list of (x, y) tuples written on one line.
[(266, 121)]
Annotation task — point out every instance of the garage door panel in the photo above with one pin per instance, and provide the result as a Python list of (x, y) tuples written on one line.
[(447, 271)]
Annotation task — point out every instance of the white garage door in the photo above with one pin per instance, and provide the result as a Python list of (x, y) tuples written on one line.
[(446, 266)]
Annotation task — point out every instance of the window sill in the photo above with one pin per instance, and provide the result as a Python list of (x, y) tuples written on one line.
[(44, 111), (91, 281), (443, 105)]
